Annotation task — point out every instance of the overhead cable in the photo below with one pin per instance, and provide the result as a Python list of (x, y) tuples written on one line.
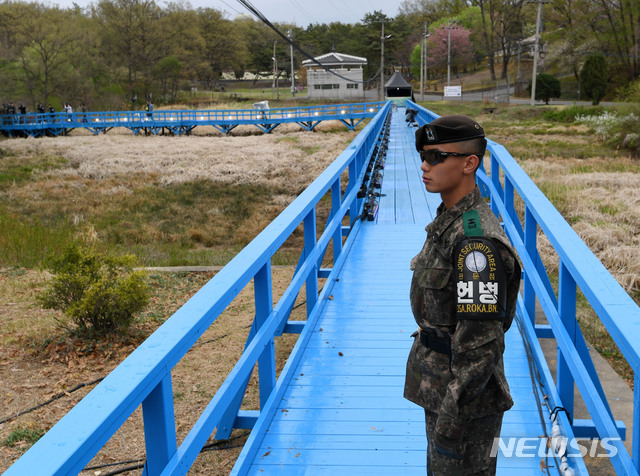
[(249, 6)]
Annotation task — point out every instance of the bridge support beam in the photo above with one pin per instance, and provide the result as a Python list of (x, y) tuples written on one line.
[(159, 427)]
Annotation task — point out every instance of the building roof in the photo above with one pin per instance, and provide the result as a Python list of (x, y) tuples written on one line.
[(397, 81), (336, 59), (397, 87)]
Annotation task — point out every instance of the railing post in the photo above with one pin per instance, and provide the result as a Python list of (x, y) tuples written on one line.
[(159, 427), (263, 298), (635, 442), (567, 312), (309, 243), (509, 201), (353, 177), (264, 306), (495, 179), (336, 202), (529, 296)]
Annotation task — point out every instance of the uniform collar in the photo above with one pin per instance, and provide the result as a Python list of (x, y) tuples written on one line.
[(444, 218)]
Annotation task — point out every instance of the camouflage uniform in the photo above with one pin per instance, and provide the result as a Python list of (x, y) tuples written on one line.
[(468, 386)]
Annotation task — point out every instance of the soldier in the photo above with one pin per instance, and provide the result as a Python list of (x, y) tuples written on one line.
[(463, 297)]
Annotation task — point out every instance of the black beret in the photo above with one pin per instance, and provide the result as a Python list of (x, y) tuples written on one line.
[(445, 129)]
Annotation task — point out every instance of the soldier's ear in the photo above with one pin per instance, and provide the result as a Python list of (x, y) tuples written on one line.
[(472, 163)]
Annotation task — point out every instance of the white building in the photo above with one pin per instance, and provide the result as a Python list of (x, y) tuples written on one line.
[(324, 84)]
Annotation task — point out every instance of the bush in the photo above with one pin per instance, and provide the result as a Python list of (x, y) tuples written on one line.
[(629, 92), (547, 87), (99, 294), (615, 129), (594, 77), (568, 114)]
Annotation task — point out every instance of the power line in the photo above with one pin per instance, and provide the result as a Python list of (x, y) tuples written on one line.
[(344, 5), (249, 6), (237, 11), (302, 10)]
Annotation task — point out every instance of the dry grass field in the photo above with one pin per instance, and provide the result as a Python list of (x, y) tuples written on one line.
[(198, 200)]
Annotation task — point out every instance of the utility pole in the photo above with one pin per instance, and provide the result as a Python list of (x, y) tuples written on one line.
[(381, 94), (426, 37), (535, 54), (423, 61), (275, 67), (293, 86), (421, 65), (449, 56), (449, 51)]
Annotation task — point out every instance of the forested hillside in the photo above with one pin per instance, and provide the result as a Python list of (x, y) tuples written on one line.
[(119, 53)]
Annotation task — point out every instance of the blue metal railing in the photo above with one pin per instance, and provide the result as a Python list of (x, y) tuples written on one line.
[(579, 268), (144, 378), (184, 121)]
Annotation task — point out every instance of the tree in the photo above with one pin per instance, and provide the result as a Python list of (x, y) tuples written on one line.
[(594, 77), (45, 40), (461, 51), (225, 48), (614, 23), (168, 71), (501, 29), (547, 87), (132, 38)]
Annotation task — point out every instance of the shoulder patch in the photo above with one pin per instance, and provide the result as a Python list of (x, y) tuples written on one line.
[(471, 223), (480, 280)]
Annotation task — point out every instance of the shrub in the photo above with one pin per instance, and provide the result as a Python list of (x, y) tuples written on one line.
[(98, 293), (569, 114), (629, 92), (547, 87), (615, 129), (594, 77)]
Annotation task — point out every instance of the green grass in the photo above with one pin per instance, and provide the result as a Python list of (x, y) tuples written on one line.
[(608, 167), (20, 435), (15, 170), (201, 223), (29, 243), (524, 148)]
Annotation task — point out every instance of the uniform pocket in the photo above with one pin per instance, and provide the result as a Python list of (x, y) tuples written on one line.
[(434, 278), (437, 297)]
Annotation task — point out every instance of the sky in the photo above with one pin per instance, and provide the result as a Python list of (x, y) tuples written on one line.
[(304, 12), (299, 12)]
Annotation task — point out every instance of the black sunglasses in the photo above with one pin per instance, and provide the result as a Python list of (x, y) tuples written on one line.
[(434, 156)]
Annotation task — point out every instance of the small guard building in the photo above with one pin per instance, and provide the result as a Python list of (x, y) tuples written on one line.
[(324, 84), (398, 87)]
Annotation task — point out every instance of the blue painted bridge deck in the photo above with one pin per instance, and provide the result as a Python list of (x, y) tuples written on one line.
[(343, 411)]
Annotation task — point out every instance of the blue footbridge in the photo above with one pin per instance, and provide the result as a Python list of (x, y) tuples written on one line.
[(177, 122), (337, 406)]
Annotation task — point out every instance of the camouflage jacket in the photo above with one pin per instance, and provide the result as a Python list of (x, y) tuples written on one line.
[(469, 383)]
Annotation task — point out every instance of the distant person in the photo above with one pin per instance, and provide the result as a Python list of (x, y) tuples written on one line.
[(69, 110)]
